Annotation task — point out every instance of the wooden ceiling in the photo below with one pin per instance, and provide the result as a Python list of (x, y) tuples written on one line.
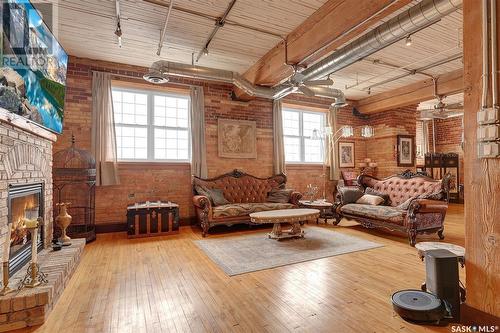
[(86, 29), (430, 45)]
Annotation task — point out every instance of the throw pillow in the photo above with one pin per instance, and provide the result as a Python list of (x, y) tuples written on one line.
[(279, 196), (384, 196), (200, 190), (433, 196), (217, 197), (350, 194), (368, 199), (405, 205)]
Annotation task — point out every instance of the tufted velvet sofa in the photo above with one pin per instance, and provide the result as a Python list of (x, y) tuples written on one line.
[(417, 204), (247, 194)]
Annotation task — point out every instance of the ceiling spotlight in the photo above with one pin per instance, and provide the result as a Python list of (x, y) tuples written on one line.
[(408, 41), (118, 33), (205, 51)]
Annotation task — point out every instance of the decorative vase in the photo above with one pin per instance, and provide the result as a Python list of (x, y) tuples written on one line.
[(63, 220)]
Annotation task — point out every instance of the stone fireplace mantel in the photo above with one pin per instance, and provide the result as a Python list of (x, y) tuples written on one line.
[(25, 157), (25, 125)]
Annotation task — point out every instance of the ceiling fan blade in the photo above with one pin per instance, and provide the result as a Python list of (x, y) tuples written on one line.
[(297, 77), (313, 83), (306, 91), (454, 106)]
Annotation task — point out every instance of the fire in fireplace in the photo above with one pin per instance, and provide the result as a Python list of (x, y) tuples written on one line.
[(24, 202)]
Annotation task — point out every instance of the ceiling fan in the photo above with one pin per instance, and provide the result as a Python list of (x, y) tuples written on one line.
[(442, 110), (298, 83)]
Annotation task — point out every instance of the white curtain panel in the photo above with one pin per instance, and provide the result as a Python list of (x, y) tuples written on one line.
[(425, 137), (103, 131), (279, 145), (332, 156), (199, 154)]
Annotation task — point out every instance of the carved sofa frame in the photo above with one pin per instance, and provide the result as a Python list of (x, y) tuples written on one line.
[(238, 187), (423, 216)]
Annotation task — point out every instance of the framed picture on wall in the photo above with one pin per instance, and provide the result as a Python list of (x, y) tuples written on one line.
[(237, 138), (346, 154), (406, 150)]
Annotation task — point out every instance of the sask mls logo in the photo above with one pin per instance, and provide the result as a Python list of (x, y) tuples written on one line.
[(474, 328)]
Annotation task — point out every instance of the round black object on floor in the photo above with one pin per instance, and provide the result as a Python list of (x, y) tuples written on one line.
[(418, 306)]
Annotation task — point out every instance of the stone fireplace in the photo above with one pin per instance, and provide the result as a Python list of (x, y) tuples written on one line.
[(25, 201), (25, 185)]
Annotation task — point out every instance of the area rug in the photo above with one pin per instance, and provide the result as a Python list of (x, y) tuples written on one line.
[(249, 253)]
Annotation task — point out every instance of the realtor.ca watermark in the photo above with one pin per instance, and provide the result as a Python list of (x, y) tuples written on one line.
[(474, 328), (27, 34)]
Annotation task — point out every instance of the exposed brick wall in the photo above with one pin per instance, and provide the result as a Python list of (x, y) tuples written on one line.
[(142, 181), (382, 148)]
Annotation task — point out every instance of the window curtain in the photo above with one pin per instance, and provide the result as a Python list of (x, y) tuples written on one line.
[(198, 151), (278, 140), (331, 154), (103, 131), (425, 137)]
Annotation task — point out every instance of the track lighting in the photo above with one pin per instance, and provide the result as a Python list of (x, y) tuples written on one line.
[(408, 41), (118, 33)]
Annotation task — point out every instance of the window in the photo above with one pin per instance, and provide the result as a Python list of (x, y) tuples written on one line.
[(298, 127), (151, 126)]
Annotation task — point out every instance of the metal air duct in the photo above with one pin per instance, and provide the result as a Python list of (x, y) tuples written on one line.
[(164, 69), (409, 22)]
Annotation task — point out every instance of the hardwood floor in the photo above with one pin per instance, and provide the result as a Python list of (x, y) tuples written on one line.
[(167, 284)]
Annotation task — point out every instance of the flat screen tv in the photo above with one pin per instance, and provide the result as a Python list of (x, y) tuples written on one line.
[(33, 68)]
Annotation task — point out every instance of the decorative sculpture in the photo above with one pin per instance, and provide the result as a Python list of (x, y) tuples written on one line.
[(63, 220)]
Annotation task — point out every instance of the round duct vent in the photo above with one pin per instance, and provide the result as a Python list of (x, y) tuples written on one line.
[(156, 78)]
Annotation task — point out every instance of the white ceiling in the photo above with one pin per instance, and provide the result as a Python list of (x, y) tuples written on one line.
[(86, 29), (430, 45)]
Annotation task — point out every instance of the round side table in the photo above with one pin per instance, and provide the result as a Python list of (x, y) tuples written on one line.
[(325, 208), (459, 251)]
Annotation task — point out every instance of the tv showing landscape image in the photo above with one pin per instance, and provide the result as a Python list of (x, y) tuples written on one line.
[(33, 68)]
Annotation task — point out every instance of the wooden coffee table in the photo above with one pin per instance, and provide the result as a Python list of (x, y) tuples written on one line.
[(292, 216)]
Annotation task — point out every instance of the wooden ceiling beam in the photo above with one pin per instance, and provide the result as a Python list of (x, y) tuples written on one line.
[(447, 84), (333, 24)]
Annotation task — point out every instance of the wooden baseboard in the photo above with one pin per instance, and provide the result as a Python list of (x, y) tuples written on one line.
[(122, 226), (473, 316)]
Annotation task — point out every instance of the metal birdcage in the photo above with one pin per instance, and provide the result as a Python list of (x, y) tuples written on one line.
[(74, 180)]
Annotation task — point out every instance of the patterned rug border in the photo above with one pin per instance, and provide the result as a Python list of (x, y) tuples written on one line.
[(202, 245)]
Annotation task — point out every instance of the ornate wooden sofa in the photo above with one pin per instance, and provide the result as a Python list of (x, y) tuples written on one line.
[(246, 193), (417, 204)]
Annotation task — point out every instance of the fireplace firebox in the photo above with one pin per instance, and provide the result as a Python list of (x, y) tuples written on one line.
[(25, 201)]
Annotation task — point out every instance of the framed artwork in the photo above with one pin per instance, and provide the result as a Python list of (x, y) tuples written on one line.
[(237, 138), (346, 154), (406, 150)]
